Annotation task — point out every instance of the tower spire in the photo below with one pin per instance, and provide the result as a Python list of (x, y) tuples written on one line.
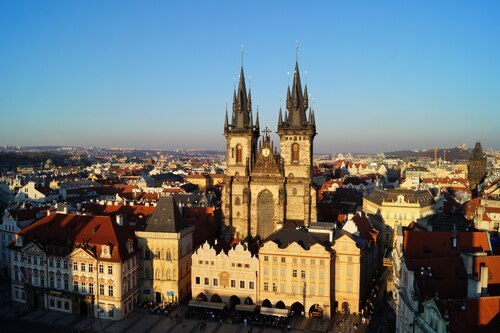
[(257, 124)]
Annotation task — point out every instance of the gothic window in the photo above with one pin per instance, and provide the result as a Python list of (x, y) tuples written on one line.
[(295, 152), (169, 274), (169, 254), (239, 154), (265, 211)]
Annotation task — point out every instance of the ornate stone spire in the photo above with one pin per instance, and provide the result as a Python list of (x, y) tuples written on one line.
[(242, 106)]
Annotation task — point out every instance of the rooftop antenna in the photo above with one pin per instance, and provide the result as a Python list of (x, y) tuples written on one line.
[(306, 76), (288, 74), (250, 82)]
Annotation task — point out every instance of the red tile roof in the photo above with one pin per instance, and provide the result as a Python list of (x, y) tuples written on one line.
[(481, 315), (426, 244), (73, 231)]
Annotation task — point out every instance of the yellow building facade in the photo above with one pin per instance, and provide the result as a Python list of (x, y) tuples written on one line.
[(166, 245), (228, 277), (295, 271), (390, 208)]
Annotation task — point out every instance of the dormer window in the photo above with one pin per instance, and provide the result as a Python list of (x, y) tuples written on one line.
[(19, 240), (106, 251)]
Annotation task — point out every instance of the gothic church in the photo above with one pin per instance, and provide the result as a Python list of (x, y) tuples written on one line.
[(264, 188)]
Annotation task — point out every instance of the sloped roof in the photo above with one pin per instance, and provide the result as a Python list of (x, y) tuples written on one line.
[(61, 233), (286, 236), (481, 315), (166, 218), (422, 197), (426, 244)]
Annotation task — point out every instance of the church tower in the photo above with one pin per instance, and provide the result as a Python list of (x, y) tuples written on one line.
[(297, 131), (241, 143), (241, 134), (263, 188)]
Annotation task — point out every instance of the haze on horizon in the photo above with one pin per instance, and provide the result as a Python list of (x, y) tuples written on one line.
[(384, 76)]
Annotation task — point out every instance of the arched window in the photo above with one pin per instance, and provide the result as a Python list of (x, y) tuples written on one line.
[(295, 152), (157, 274), (169, 274), (157, 256), (265, 214), (239, 153), (169, 254), (237, 201)]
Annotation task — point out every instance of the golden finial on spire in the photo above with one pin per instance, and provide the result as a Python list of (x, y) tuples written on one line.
[(241, 55), (297, 51)]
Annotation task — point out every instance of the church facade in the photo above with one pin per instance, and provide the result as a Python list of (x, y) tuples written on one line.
[(266, 187)]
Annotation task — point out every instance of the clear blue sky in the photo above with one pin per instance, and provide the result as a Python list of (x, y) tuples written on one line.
[(384, 75)]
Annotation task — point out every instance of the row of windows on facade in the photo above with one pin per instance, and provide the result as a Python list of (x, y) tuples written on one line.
[(162, 254), (239, 153), (295, 273), (401, 216), (212, 263), (294, 289), (8, 227), (165, 274), (303, 261), (215, 283), (58, 263), (62, 284)]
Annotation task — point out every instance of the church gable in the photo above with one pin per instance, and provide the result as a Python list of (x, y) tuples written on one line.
[(268, 161)]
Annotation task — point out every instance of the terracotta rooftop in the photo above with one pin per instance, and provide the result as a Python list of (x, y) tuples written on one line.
[(427, 244), (62, 233)]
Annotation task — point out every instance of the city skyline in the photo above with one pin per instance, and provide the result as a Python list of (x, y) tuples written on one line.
[(383, 77)]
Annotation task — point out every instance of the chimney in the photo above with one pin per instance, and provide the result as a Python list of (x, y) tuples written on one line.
[(484, 279), (119, 219)]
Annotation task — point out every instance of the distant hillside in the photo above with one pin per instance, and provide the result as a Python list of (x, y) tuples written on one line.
[(9, 161), (452, 154)]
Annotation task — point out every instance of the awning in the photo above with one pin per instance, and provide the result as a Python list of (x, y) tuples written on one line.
[(207, 305), (245, 307), (274, 312)]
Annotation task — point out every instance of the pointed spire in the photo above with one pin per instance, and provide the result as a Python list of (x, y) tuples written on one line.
[(288, 105), (249, 102), (306, 98), (242, 106), (226, 121), (312, 120), (296, 103), (257, 124), (280, 119)]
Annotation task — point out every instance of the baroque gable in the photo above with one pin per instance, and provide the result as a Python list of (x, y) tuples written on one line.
[(33, 248), (81, 254)]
